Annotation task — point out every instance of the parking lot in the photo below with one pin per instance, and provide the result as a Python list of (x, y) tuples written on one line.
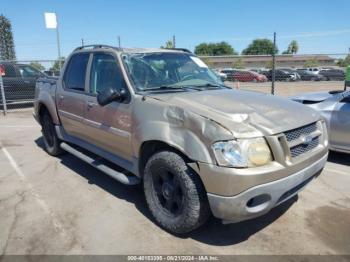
[(289, 88), (63, 206)]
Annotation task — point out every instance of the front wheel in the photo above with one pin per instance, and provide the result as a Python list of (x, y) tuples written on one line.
[(174, 193), (51, 141)]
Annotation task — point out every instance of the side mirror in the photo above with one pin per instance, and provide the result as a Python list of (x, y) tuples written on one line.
[(109, 95)]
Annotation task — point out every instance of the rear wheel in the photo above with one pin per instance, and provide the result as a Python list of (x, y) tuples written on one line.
[(51, 141), (174, 193)]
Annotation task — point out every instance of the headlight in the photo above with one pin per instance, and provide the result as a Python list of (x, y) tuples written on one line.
[(242, 152)]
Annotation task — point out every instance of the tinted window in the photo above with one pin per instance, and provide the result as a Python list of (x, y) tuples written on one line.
[(105, 73), (74, 77), (28, 71)]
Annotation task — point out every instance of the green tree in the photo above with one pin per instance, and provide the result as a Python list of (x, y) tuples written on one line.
[(214, 49), (260, 47), (311, 63), (7, 47), (38, 66), (344, 62), (239, 64), (168, 44), (293, 48), (56, 65)]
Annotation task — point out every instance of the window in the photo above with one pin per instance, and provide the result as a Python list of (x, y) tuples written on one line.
[(28, 71), (105, 73), (74, 77)]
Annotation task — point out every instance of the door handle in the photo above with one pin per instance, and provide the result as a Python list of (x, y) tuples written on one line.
[(90, 105), (60, 97)]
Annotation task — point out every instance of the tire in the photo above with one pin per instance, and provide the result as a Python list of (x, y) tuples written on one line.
[(51, 141), (174, 193)]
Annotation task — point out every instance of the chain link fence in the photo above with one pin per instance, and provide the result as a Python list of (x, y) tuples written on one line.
[(18, 79), (294, 74)]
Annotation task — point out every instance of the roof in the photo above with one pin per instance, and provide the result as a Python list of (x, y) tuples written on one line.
[(133, 50)]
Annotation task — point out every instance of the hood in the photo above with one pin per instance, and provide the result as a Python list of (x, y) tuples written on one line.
[(244, 113), (313, 97)]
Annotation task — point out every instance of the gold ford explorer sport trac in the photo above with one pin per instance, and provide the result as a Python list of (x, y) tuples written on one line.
[(163, 118)]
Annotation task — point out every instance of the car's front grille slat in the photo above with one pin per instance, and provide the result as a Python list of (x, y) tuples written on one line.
[(297, 144), (304, 130), (302, 148)]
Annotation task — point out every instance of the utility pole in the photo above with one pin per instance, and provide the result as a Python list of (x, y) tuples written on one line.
[(118, 41), (82, 42), (174, 42), (273, 64)]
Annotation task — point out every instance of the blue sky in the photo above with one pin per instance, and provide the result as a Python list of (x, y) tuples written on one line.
[(320, 26)]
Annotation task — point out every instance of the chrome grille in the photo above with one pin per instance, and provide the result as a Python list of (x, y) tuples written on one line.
[(295, 139), (301, 149), (296, 133)]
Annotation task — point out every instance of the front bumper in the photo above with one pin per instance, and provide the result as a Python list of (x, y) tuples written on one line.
[(260, 199)]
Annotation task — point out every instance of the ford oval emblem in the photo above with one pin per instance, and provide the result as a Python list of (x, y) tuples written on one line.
[(307, 140)]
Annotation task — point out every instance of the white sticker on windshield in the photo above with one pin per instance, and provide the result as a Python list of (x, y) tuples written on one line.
[(199, 62)]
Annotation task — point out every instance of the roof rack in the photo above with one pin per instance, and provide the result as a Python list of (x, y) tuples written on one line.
[(94, 46), (180, 49)]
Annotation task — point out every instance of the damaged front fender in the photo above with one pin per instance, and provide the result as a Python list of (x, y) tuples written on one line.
[(189, 132)]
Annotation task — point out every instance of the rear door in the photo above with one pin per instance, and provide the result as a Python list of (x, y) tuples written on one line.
[(109, 126), (340, 124), (71, 96)]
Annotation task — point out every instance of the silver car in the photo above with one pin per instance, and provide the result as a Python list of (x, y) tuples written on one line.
[(334, 106)]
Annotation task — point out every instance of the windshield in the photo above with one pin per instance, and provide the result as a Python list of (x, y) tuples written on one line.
[(152, 71)]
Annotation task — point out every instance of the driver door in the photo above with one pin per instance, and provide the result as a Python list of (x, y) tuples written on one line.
[(108, 127)]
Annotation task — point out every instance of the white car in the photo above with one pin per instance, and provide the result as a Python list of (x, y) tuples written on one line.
[(222, 75)]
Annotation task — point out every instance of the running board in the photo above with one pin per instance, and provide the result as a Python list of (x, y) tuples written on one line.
[(122, 178)]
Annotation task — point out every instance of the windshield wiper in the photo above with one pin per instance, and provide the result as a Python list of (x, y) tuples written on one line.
[(164, 88), (207, 85)]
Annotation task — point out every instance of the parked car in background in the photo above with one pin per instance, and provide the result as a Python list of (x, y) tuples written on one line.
[(19, 81), (52, 72), (333, 74), (334, 106), (222, 75), (229, 73), (291, 72), (282, 75), (197, 146), (307, 75), (248, 76), (244, 75), (314, 70)]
